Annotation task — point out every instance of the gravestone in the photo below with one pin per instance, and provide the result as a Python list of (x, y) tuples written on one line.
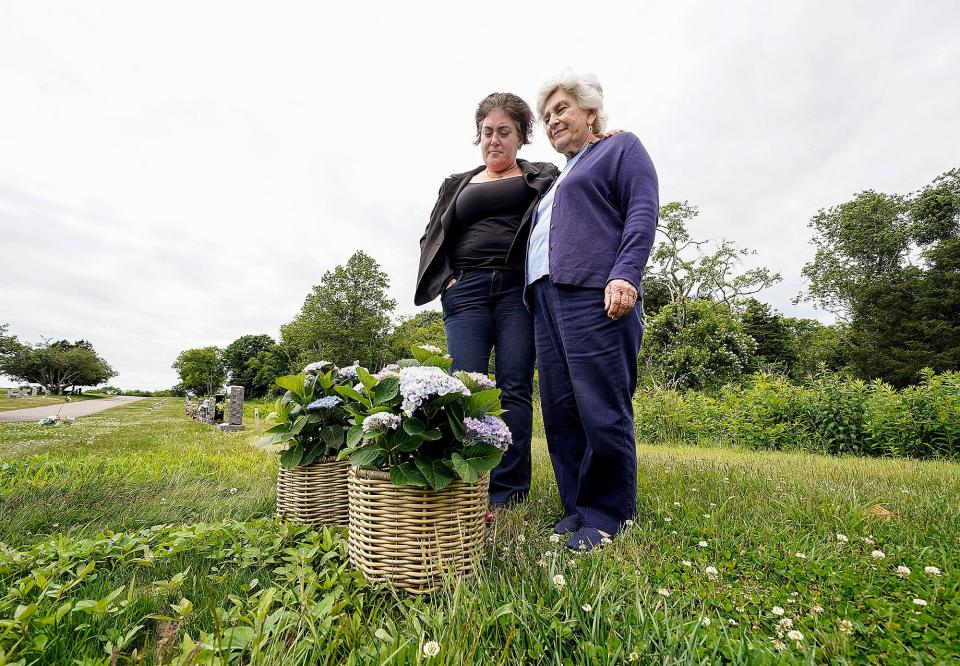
[(9, 393), (33, 393), (234, 415)]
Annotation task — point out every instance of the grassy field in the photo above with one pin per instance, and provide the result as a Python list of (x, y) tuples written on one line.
[(6, 404), (138, 536)]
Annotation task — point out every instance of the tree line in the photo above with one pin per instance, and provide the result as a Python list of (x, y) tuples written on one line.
[(57, 365), (887, 267)]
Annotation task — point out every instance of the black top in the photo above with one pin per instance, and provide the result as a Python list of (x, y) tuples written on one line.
[(488, 218)]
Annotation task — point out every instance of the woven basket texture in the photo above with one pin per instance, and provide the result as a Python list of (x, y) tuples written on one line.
[(315, 494), (412, 537)]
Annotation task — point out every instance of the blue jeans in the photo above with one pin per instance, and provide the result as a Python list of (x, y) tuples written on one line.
[(484, 310), (588, 372)]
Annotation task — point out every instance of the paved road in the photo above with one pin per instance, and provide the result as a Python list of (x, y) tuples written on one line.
[(78, 408)]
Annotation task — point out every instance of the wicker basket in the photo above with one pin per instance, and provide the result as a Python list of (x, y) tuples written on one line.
[(413, 537), (315, 494)]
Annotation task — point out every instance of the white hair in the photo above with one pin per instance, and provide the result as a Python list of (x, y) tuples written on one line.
[(585, 88)]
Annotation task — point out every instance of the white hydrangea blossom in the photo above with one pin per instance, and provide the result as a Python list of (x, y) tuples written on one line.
[(380, 422), (419, 383)]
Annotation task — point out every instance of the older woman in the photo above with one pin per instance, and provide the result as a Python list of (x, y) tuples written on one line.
[(591, 238), (472, 255)]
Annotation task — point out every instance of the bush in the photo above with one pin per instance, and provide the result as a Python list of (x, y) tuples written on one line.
[(827, 414)]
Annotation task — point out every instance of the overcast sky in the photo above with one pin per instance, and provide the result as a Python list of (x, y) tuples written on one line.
[(179, 174)]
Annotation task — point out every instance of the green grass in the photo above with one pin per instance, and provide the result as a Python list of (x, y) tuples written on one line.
[(7, 404), (126, 539)]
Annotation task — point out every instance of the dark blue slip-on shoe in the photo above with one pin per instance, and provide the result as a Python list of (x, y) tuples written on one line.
[(586, 539), (567, 524)]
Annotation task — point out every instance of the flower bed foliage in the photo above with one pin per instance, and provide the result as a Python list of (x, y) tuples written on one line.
[(414, 420), (827, 414), (424, 426)]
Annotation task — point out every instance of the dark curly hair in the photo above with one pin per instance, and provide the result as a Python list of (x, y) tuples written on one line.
[(515, 107)]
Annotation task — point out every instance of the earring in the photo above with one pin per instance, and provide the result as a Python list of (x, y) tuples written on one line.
[(590, 129)]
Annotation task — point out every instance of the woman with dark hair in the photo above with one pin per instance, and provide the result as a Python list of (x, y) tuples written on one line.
[(472, 254)]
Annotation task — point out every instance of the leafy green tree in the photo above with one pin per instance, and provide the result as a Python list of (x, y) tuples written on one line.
[(422, 328), (56, 365), (253, 362), (201, 369), (704, 348), (817, 347), (682, 266), (775, 351), (346, 317)]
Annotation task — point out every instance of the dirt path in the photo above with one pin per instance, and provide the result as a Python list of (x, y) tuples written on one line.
[(79, 408)]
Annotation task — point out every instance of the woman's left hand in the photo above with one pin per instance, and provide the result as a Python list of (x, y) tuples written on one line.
[(619, 298)]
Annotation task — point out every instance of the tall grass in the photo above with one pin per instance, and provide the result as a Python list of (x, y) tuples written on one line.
[(125, 543)]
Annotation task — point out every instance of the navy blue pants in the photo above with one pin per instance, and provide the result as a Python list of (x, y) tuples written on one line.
[(484, 310), (588, 372)]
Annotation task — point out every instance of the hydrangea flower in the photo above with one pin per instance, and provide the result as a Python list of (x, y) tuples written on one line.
[(317, 366), (489, 430), (326, 403), (349, 372), (433, 349), (380, 422), (482, 380), (419, 383), (392, 370)]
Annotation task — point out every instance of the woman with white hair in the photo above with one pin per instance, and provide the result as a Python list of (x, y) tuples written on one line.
[(591, 237)]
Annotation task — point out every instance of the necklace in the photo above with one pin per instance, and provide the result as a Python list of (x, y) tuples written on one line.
[(502, 174)]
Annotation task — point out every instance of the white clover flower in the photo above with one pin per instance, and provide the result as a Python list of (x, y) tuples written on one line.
[(559, 581), (542, 562), (705, 621), (419, 383), (903, 571), (779, 645), (706, 515), (817, 608), (554, 538), (663, 592), (703, 543), (800, 555), (381, 422), (606, 541), (919, 602), (687, 563), (795, 635), (784, 624), (233, 491), (868, 540), (933, 571), (628, 523), (777, 610), (732, 622), (676, 504), (842, 538), (587, 608), (845, 626), (877, 555), (668, 519), (711, 572), (633, 656), (431, 649), (521, 538)]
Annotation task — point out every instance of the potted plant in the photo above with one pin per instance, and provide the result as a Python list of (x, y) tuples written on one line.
[(421, 445), (309, 425)]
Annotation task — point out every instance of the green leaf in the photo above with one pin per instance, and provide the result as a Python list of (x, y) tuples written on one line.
[(464, 469), (354, 435), (310, 455), (333, 437), (365, 455), (482, 402), (368, 380), (350, 392), (386, 390), (435, 472), (291, 457), (407, 474), (409, 444), (483, 456), (293, 383), (299, 425), (456, 426), (414, 426), (432, 435)]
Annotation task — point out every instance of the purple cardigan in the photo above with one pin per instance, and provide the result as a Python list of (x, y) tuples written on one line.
[(604, 216)]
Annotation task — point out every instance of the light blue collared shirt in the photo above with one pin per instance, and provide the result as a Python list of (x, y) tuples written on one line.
[(538, 253)]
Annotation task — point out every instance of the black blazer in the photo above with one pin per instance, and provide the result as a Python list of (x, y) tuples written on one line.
[(435, 268)]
